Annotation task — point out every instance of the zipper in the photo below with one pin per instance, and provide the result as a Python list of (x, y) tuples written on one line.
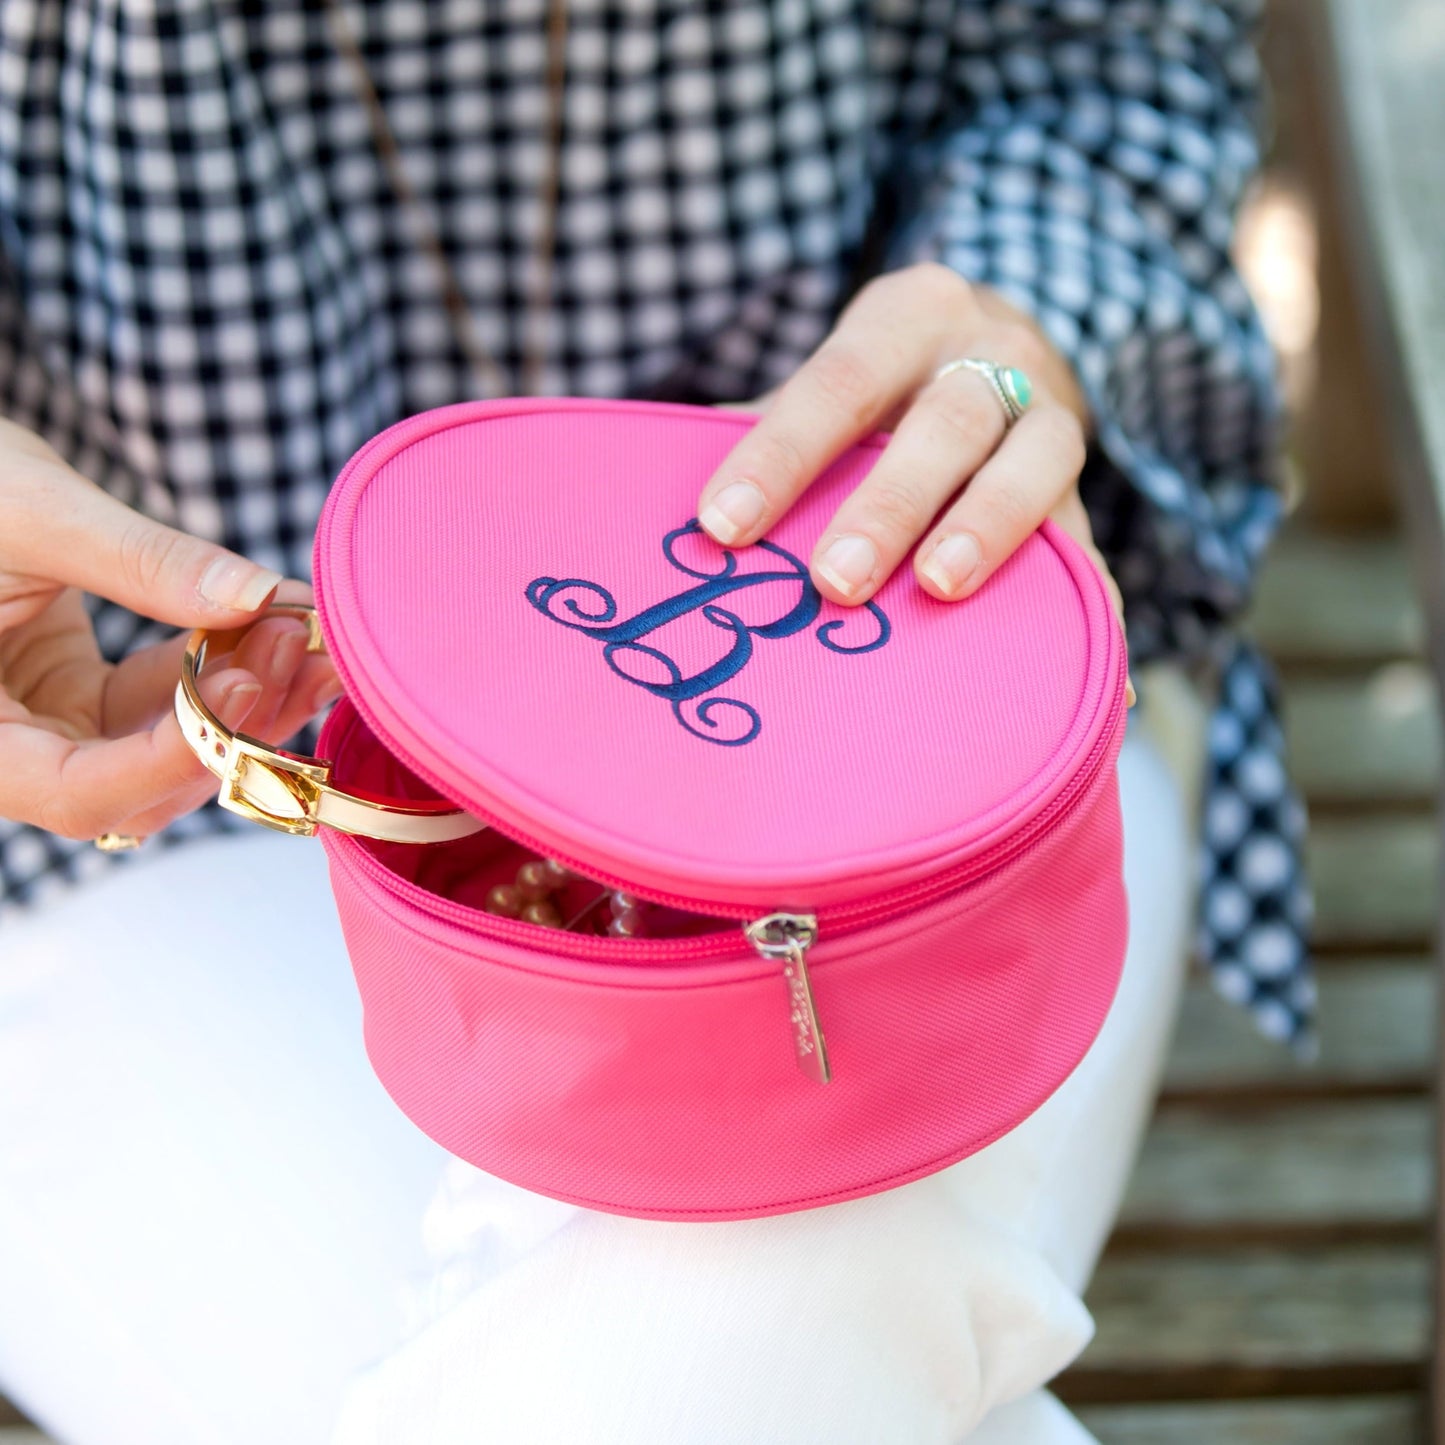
[(845, 916), (787, 937), (780, 938)]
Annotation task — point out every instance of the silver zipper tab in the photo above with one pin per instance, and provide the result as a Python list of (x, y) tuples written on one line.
[(787, 937)]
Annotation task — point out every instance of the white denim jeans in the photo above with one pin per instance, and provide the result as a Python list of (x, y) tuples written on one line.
[(215, 1229)]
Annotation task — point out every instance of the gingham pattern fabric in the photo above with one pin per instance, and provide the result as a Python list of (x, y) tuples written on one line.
[(209, 296)]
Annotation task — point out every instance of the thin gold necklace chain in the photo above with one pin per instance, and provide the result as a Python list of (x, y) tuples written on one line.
[(487, 373)]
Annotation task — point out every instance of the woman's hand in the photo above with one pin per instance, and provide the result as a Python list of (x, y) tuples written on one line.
[(88, 748), (953, 474)]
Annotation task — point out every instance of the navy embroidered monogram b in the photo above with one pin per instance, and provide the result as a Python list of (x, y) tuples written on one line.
[(622, 639)]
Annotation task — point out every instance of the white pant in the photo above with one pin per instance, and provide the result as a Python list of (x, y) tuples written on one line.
[(212, 1219)]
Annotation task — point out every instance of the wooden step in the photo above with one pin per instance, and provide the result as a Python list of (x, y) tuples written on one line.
[(1337, 599), (1370, 737), (16, 1430), (1335, 1169), (1376, 1032), (1375, 881), (1383, 1420), (1256, 1321)]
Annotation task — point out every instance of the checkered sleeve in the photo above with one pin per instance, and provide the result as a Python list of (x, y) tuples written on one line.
[(1093, 182), (1092, 177)]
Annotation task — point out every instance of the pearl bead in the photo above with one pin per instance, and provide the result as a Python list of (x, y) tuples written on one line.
[(543, 914), (505, 900), (621, 899), (533, 881), (627, 921), (557, 873)]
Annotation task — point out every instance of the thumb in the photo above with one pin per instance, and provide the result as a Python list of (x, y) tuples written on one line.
[(74, 533)]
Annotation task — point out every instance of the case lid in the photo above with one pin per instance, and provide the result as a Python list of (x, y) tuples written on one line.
[(522, 607)]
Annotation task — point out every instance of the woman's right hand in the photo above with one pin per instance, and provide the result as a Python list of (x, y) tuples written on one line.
[(87, 747)]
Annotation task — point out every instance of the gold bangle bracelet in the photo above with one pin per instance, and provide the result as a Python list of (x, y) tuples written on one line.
[(287, 792)]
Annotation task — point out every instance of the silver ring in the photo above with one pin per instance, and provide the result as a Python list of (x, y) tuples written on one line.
[(1011, 385)]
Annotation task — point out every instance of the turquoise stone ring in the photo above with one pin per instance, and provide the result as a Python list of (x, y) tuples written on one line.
[(1018, 386), (1012, 386)]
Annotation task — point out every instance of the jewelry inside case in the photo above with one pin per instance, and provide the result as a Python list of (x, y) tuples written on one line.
[(491, 873)]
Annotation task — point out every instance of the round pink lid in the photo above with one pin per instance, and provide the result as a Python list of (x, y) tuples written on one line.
[(523, 609)]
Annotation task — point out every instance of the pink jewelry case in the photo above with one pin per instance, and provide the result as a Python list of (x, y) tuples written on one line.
[(883, 842)]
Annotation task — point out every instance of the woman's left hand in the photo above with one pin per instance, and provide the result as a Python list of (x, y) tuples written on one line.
[(954, 474)]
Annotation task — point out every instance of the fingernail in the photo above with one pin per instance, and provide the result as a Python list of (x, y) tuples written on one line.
[(952, 562), (734, 512), (236, 584), (1130, 696), (286, 657), (326, 694), (848, 564), (238, 702)]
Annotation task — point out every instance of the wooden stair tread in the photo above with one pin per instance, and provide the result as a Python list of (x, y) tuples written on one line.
[(1336, 599), (1342, 1165), (1376, 1032), (1383, 1420), (1254, 1321), (1374, 880), (1371, 737)]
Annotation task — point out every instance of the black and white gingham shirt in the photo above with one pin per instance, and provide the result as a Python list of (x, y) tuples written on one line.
[(209, 297)]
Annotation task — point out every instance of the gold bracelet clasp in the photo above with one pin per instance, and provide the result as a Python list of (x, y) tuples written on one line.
[(273, 788), (289, 793)]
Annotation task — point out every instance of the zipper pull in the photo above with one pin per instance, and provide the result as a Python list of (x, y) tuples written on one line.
[(787, 937)]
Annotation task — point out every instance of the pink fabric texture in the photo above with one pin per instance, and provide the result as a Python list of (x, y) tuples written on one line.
[(528, 622)]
